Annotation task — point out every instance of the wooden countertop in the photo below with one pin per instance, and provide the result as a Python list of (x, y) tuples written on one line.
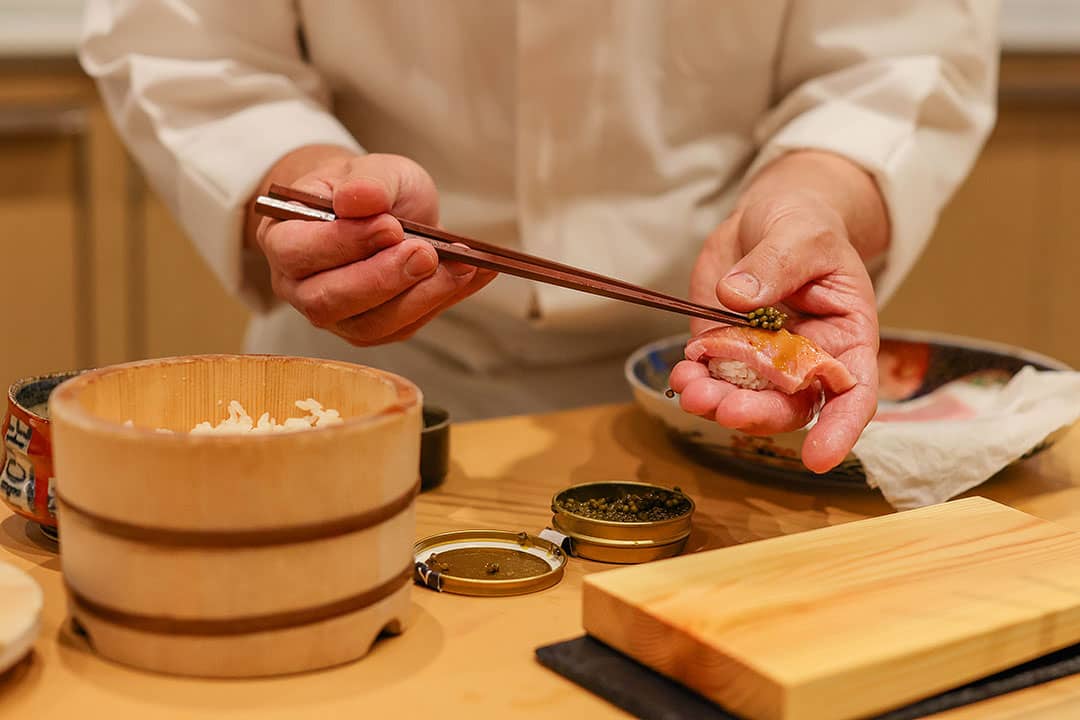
[(473, 657)]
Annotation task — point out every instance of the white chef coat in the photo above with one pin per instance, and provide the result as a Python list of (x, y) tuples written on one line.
[(608, 134)]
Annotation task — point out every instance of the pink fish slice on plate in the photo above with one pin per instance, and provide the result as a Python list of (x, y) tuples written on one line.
[(767, 360)]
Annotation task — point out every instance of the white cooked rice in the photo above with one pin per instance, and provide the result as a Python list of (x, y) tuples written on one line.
[(239, 421), (738, 373)]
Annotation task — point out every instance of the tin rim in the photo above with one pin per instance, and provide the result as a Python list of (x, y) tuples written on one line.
[(622, 544), (601, 552), (517, 541)]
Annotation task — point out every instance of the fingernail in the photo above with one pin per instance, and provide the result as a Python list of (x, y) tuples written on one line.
[(743, 283), (421, 264), (461, 270)]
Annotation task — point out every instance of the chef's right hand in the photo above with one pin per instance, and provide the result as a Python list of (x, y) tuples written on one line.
[(359, 277)]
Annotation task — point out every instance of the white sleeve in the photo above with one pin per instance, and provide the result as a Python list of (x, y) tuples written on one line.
[(208, 95), (904, 88)]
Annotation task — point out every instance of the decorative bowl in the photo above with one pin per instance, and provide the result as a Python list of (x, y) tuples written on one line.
[(26, 463), (911, 364)]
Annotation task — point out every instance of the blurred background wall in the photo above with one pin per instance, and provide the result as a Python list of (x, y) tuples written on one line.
[(95, 271)]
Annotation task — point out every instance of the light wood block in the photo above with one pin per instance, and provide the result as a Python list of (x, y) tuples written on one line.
[(852, 620)]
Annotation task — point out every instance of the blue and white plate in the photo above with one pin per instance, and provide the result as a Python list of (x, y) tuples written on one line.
[(911, 364)]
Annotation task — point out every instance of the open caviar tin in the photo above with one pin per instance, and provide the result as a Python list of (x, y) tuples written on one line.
[(621, 522), (610, 522)]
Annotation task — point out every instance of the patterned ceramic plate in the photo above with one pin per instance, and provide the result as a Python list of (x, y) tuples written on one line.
[(911, 364)]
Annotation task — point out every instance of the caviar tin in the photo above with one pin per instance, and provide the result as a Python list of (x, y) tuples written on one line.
[(621, 542), (487, 563)]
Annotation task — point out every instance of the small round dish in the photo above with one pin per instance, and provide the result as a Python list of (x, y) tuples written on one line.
[(911, 364), (434, 447), (26, 462), (621, 542), (21, 601), (489, 563)]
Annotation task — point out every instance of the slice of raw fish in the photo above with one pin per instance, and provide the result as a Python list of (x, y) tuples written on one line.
[(789, 362)]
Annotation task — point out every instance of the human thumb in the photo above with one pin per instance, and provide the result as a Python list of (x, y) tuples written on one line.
[(789, 255)]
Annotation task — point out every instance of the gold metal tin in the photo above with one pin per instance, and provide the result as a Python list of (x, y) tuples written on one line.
[(619, 542), (497, 539), (623, 552)]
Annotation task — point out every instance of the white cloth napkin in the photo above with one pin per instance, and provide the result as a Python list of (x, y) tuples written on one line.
[(965, 432)]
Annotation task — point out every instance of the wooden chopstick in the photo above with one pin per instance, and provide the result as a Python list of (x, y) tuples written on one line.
[(281, 204), (324, 204), (564, 275)]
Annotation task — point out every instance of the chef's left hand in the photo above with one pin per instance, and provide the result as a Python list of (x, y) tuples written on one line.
[(799, 236)]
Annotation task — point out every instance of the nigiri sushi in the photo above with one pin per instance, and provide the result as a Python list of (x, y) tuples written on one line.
[(767, 360)]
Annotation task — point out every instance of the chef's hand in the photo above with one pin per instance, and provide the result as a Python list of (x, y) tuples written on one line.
[(359, 277), (799, 236)]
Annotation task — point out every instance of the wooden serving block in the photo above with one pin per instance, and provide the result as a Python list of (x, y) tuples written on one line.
[(851, 620)]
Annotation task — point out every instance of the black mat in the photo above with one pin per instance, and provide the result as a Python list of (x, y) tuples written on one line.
[(651, 696)]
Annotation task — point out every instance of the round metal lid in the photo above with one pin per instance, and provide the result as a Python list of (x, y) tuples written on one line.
[(487, 563)]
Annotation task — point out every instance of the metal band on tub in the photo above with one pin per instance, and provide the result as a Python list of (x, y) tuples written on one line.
[(241, 625), (243, 538)]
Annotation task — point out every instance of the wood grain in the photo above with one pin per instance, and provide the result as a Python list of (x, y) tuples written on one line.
[(108, 175), (1002, 262), (478, 652), (853, 620), (185, 309), (38, 247)]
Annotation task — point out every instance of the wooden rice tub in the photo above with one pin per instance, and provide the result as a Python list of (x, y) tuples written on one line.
[(229, 556)]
